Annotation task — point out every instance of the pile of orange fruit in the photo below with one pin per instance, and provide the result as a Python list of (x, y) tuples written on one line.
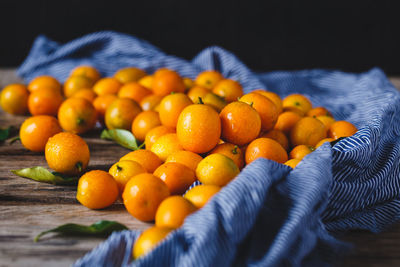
[(204, 130)]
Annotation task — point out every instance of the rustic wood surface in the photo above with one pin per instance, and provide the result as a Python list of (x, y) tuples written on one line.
[(27, 208)]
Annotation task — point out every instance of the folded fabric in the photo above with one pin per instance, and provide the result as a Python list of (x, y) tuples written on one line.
[(270, 214)]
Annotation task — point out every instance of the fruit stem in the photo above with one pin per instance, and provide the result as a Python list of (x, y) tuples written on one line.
[(80, 121), (234, 150), (78, 165), (119, 168), (200, 100)]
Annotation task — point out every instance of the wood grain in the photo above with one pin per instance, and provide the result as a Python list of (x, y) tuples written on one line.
[(27, 208)]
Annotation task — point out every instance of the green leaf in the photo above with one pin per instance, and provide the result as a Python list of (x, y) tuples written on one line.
[(4, 133), (122, 137), (43, 175), (14, 139), (100, 228)]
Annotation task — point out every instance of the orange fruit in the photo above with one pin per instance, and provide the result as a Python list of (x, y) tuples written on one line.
[(286, 121), (124, 170), (307, 131), (75, 83), (161, 71), (187, 158), (35, 131), (231, 151), (326, 120), (152, 135), (87, 71), (146, 158), (214, 101), (275, 98), (208, 79), (171, 107), (149, 239), (166, 145), (197, 92), (265, 107), (318, 111), (77, 115), (143, 194), (278, 136), (320, 143), (121, 113), (108, 85), (168, 82), (240, 123), (44, 101), (297, 101), (341, 129), (97, 190), (300, 151), (201, 194), (44, 81), (216, 169), (265, 148), (144, 122), (173, 211), (150, 102), (189, 83), (292, 163), (67, 153), (14, 99), (87, 94), (129, 74), (134, 91), (101, 103), (176, 176), (229, 89), (147, 81), (198, 128)]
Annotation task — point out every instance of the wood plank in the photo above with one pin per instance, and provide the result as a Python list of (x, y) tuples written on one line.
[(27, 208)]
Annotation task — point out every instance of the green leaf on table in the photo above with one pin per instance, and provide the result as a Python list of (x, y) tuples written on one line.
[(122, 137), (43, 175), (100, 229), (5, 133)]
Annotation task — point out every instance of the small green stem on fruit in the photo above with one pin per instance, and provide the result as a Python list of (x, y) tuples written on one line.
[(14, 139), (172, 93), (119, 168), (251, 104), (297, 103), (80, 121), (234, 150), (141, 146), (79, 166), (200, 100)]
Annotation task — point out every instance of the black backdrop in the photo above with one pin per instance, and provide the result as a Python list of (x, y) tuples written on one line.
[(266, 35)]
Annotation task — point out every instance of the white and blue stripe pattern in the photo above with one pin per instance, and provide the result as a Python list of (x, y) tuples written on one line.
[(269, 215)]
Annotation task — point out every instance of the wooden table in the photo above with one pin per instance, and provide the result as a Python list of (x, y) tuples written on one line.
[(27, 208)]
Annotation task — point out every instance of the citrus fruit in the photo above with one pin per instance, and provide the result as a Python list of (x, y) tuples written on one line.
[(187, 158), (14, 99), (101, 103), (216, 169), (75, 83), (240, 123), (146, 158), (320, 143), (201, 194), (208, 79), (108, 85), (123, 170), (286, 121), (326, 120), (121, 113), (198, 128), (171, 107), (166, 145), (274, 97), (44, 101), (97, 190), (87, 71), (176, 176), (67, 153), (167, 82), (129, 74), (147, 81), (150, 102), (265, 148), (36, 131), (318, 111), (278, 136), (173, 211), (292, 163), (265, 107), (300, 151), (197, 92), (134, 91), (228, 89), (144, 122), (232, 151), (341, 129), (44, 81), (298, 102), (152, 135), (149, 239), (214, 101), (307, 131), (77, 115), (86, 93), (143, 194)]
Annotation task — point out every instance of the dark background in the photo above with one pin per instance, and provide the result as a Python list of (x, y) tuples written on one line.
[(266, 35)]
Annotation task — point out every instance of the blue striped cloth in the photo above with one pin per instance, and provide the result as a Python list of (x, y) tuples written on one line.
[(270, 214)]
